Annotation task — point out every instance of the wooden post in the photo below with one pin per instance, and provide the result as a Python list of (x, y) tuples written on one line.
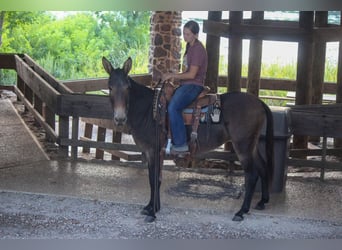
[(234, 54), (304, 69), (234, 60), (63, 134), (318, 67), (338, 142), (101, 136), (38, 104), (28, 95), (321, 20), (20, 85), (324, 158), (116, 139), (88, 131), (50, 119), (213, 50), (255, 53), (75, 128)]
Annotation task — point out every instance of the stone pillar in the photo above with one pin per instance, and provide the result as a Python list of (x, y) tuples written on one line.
[(165, 50)]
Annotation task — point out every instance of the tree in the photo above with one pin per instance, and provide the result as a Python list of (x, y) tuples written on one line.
[(2, 17), (72, 47)]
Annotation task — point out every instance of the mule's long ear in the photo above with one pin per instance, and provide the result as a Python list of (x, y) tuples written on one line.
[(127, 65), (107, 65)]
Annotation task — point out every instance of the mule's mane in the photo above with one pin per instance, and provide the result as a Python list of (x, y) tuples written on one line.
[(141, 104), (140, 89)]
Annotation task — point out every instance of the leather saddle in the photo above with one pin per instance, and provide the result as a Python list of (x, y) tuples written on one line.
[(198, 107)]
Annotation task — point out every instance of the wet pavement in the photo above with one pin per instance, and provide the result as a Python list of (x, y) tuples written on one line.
[(17, 144), (63, 199), (305, 197)]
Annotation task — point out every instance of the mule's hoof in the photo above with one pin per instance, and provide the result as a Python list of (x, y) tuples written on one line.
[(238, 218), (260, 206), (144, 212), (150, 218)]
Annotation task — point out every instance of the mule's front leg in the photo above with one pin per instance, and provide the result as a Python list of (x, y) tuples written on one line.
[(153, 206)]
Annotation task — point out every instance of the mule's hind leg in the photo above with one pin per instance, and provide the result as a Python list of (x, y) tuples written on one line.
[(265, 195), (251, 177)]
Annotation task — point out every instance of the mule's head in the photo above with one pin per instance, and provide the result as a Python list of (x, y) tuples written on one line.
[(118, 85)]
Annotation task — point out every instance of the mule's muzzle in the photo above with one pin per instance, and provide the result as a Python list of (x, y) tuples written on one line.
[(120, 120), (120, 116)]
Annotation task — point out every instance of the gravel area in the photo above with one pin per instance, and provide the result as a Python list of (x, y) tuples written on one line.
[(38, 216)]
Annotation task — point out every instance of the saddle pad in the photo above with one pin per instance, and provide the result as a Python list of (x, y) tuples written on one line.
[(187, 115), (190, 110)]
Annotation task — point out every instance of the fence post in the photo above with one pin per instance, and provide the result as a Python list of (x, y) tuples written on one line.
[(117, 136), (234, 53), (88, 131), (213, 50), (318, 67), (304, 69), (63, 133), (101, 136), (255, 53), (338, 142), (74, 136)]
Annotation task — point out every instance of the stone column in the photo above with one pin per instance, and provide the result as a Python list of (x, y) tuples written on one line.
[(165, 50)]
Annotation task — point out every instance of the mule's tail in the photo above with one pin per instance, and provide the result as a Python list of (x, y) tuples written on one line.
[(269, 144)]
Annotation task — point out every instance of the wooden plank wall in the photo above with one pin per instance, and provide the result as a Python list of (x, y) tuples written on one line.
[(311, 32)]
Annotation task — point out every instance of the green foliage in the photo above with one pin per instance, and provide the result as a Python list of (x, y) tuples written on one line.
[(330, 74), (72, 47)]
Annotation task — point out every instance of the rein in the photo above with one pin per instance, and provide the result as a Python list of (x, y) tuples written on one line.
[(159, 115)]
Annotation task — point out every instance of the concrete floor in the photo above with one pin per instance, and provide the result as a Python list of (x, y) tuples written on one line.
[(304, 197)]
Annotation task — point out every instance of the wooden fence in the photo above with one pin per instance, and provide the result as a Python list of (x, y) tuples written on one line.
[(312, 31), (59, 107)]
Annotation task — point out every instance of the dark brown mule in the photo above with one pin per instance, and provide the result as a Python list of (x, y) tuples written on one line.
[(243, 116)]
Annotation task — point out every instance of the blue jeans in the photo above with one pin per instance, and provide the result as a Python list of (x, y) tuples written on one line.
[(183, 97)]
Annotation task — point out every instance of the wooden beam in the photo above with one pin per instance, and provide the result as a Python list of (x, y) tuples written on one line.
[(105, 123), (38, 117), (235, 54), (52, 81), (338, 142), (315, 124), (314, 164), (254, 63), (92, 106), (213, 51), (116, 155), (97, 144), (37, 84), (94, 84), (287, 31), (321, 20), (304, 70), (7, 60), (74, 136), (85, 85)]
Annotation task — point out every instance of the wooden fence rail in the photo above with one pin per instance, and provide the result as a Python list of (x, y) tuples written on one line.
[(46, 97)]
